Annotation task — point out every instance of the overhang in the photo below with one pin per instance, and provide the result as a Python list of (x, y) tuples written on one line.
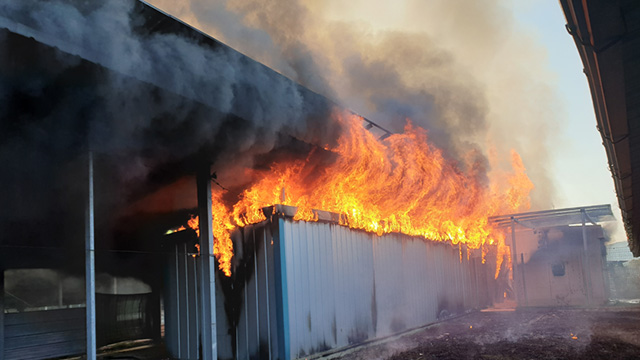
[(607, 35), (556, 217)]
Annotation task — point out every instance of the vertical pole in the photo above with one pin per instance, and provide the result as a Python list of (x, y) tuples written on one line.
[(524, 283), (514, 259), (90, 270), (208, 278), (255, 271), (586, 267), (1, 314), (189, 312), (196, 281), (178, 310)]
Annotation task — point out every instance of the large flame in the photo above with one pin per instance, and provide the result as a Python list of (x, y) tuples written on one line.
[(399, 184), (221, 228)]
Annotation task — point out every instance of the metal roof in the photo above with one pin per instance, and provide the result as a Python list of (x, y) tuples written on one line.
[(619, 252), (556, 217), (607, 35), (148, 20)]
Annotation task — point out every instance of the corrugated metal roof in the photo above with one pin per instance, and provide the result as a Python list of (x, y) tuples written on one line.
[(619, 251), (556, 217), (146, 21), (607, 35)]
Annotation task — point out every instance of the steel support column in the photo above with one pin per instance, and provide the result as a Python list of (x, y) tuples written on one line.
[(1, 314), (524, 282), (514, 259), (207, 266), (90, 270), (586, 265)]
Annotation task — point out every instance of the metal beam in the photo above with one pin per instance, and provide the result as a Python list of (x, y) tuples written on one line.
[(90, 270), (207, 265), (556, 217), (514, 259), (601, 209)]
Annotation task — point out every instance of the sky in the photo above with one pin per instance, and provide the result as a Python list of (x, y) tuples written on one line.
[(580, 166), (499, 74)]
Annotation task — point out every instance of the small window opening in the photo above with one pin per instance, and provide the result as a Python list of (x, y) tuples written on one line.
[(558, 269)]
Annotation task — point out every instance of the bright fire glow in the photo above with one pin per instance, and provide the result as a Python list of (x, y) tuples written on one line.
[(221, 228), (400, 184), (171, 231)]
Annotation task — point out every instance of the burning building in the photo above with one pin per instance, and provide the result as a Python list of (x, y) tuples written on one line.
[(114, 116), (301, 288)]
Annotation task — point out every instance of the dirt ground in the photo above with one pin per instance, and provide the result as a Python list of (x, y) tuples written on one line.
[(607, 333), (611, 333)]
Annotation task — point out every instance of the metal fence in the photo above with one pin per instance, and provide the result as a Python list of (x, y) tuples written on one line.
[(302, 288), (127, 317)]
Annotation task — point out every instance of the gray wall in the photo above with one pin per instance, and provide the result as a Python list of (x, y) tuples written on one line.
[(44, 334)]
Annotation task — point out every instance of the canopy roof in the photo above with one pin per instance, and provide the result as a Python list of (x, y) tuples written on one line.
[(607, 36), (556, 217)]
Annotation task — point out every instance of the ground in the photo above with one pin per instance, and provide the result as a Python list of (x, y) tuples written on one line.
[(605, 333), (609, 333)]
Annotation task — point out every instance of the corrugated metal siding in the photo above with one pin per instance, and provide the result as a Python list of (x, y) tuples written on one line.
[(619, 252), (257, 328), (308, 287), (123, 317), (44, 334), (345, 286), (181, 327)]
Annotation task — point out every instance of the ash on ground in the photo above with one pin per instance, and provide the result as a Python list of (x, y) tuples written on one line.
[(607, 333)]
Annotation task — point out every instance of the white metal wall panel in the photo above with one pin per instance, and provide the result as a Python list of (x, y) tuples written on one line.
[(181, 328), (243, 325), (388, 283), (264, 303), (346, 286), (254, 278), (342, 286), (414, 280)]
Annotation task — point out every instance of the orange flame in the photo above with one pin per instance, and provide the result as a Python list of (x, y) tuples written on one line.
[(399, 184), (221, 228)]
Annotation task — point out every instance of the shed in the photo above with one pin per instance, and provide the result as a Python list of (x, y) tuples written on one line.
[(558, 256)]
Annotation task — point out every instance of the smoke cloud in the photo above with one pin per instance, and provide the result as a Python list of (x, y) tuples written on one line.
[(462, 70), (131, 119)]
